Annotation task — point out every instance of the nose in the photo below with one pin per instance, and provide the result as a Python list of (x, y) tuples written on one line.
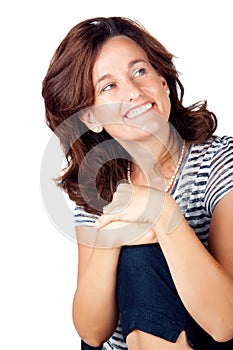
[(131, 92)]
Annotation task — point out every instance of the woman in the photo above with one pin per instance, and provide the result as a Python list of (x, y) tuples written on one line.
[(160, 257)]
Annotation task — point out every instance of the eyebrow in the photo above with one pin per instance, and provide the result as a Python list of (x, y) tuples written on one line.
[(130, 65), (104, 77)]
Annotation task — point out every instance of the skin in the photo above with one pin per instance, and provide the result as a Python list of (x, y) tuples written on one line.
[(123, 77)]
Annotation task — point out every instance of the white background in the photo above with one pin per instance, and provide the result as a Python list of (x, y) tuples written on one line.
[(38, 264)]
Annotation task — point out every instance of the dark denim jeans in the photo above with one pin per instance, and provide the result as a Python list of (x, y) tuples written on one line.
[(148, 300), (85, 346), (147, 297)]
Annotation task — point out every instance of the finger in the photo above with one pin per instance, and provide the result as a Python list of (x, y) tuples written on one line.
[(115, 195), (104, 220), (108, 208), (124, 187), (119, 233), (121, 201), (117, 206)]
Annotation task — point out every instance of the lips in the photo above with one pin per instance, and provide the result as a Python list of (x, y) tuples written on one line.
[(136, 111)]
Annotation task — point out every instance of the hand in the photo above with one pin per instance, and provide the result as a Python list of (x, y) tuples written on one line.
[(121, 233), (135, 211)]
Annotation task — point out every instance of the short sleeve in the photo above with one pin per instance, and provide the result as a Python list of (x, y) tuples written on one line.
[(220, 180), (83, 218)]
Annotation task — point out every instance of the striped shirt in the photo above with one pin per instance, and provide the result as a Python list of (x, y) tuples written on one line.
[(206, 175)]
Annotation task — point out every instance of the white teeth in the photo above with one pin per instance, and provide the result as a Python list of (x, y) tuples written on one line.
[(136, 111)]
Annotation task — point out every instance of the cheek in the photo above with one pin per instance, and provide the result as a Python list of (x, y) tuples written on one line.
[(164, 103), (167, 108), (107, 113), (120, 132), (112, 130), (157, 89)]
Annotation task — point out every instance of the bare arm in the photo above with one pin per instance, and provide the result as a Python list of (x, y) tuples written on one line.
[(94, 307), (204, 282)]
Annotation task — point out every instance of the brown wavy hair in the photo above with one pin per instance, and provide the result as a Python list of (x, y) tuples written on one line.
[(96, 163)]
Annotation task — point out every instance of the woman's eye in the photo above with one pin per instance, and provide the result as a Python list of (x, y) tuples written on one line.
[(108, 87), (139, 72)]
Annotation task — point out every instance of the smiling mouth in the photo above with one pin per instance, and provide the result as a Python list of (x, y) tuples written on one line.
[(133, 113)]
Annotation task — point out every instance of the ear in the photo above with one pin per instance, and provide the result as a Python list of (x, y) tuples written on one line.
[(90, 121), (88, 118), (163, 81)]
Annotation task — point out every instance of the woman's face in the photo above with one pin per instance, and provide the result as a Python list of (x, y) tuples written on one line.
[(130, 96)]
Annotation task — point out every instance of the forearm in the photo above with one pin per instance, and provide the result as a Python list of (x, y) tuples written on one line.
[(94, 308), (205, 288)]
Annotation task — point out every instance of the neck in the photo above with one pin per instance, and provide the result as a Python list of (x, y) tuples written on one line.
[(155, 160)]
